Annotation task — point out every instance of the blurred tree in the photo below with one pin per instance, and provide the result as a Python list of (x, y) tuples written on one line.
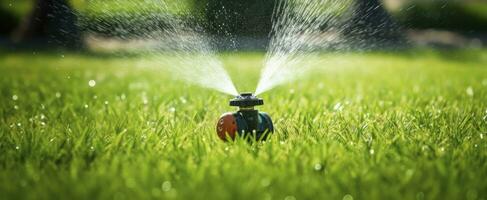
[(8, 20), (51, 22), (372, 26), (464, 16), (237, 17)]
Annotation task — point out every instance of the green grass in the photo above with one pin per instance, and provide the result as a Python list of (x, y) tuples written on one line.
[(409, 125), (131, 8), (19, 8)]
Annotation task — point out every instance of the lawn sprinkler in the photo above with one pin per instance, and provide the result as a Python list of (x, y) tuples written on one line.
[(247, 122)]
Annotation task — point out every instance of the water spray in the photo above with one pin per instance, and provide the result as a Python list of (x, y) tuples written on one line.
[(301, 29), (247, 122)]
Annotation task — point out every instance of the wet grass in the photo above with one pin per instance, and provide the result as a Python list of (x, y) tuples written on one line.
[(409, 125)]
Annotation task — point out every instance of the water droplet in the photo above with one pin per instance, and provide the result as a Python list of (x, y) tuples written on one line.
[(123, 97), (166, 186), (481, 136), (15, 97), (318, 167), (416, 89), (92, 83), (19, 124), (58, 95), (371, 151), (265, 182), (290, 197), (338, 107), (172, 109), (106, 102), (347, 197), (51, 140), (86, 105), (420, 196), (16, 107), (409, 172), (17, 147), (92, 148), (43, 123), (183, 100), (469, 91)]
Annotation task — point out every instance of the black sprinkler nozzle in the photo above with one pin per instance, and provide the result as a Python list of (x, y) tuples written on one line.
[(245, 100)]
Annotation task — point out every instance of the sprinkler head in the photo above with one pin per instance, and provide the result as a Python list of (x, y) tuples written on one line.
[(246, 100), (246, 122)]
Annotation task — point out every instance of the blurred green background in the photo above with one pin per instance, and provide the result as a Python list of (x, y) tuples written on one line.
[(252, 17)]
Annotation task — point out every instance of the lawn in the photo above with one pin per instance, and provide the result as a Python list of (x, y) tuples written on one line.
[(405, 125)]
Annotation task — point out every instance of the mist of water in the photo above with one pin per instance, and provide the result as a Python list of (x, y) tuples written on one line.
[(188, 55), (178, 46), (301, 28)]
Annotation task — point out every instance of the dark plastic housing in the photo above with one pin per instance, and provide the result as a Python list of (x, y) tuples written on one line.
[(246, 100)]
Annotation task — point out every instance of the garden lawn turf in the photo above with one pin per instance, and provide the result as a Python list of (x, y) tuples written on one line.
[(404, 125)]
